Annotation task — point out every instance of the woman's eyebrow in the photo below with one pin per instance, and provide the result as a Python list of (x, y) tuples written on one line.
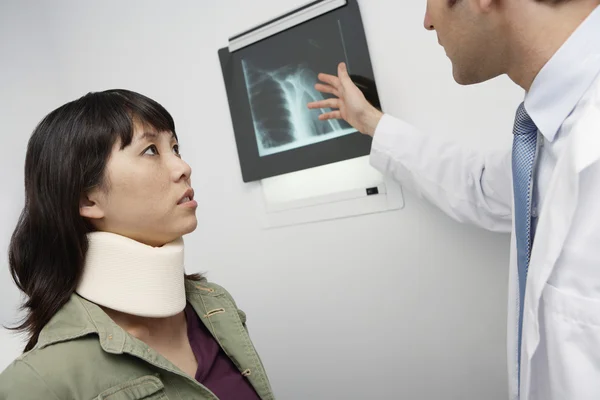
[(151, 135), (148, 136)]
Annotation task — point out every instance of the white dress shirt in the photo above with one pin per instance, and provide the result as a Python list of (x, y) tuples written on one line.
[(477, 188)]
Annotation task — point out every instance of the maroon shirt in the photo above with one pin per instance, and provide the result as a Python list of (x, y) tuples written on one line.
[(215, 370)]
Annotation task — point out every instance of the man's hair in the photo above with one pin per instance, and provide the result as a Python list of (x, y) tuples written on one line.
[(451, 3)]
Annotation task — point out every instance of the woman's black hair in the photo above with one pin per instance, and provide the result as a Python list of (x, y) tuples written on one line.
[(66, 157)]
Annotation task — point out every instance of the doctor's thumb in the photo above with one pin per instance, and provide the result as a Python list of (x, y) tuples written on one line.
[(343, 74)]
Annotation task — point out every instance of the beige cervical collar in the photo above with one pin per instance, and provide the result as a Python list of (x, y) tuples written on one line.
[(131, 277)]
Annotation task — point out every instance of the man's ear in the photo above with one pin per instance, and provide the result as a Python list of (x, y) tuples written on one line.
[(89, 206)]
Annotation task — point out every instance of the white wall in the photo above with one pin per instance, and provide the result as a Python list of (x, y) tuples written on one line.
[(31, 84), (406, 304)]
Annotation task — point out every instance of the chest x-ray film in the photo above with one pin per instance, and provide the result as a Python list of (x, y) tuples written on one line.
[(270, 82)]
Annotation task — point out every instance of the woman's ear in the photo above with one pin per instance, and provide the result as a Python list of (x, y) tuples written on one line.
[(89, 206)]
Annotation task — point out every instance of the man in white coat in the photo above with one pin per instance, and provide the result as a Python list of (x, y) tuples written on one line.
[(545, 189)]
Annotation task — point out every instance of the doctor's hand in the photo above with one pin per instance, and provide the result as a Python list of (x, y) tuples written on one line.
[(350, 104)]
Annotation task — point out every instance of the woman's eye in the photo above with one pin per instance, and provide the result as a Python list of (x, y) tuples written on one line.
[(151, 151), (176, 149)]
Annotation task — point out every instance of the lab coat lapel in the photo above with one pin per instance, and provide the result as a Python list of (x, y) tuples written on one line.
[(581, 150), (553, 227)]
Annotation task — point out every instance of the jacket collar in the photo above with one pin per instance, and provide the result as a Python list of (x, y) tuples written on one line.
[(563, 81), (80, 317)]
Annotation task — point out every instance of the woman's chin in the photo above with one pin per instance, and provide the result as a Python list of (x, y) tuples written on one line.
[(190, 226), (159, 237)]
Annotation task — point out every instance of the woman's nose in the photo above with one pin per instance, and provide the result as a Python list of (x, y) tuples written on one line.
[(181, 169)]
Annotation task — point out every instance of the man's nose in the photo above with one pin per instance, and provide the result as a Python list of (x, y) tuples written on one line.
[(428, 23)]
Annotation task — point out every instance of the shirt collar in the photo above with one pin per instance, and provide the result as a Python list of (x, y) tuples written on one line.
[(563, 81), (80, 317)]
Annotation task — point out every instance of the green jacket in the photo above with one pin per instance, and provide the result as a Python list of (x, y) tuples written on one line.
[(83, 354)]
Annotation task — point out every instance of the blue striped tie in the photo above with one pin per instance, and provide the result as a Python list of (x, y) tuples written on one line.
[(523, 158)]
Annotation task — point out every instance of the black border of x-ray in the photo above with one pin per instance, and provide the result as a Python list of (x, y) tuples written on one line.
[(254, 167)]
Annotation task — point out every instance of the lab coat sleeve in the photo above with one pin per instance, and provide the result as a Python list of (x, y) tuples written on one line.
[(468, 186)]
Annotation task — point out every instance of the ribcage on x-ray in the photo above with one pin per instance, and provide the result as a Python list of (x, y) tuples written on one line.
[(278, 101), (269, 111)]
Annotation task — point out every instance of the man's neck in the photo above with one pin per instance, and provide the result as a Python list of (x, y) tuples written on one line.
[(538, 32)]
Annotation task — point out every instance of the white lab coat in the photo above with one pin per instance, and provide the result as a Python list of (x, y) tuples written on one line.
[(560, 357)]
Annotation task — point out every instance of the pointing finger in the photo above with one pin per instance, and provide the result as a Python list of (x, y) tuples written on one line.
[(330, 80), (330, 115), (327, 103), (327, 89)]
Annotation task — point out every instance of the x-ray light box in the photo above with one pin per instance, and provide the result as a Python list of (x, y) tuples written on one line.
[(308, 170)]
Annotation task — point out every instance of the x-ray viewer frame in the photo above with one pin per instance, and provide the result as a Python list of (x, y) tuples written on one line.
[(269, 73), (315, 182)]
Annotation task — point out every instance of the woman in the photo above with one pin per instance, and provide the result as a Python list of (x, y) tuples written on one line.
[(98, 252)]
